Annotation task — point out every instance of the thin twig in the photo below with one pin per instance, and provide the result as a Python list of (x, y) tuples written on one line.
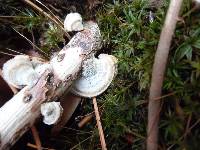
[(59, 21), (35, 147), (158, 72), (188, 125), (98, 119), (81, 142), (185, 134), (15, 51), (7, 54), (85, 120), (164, 96), (80, 131), (9, 17), (42, 12), (88, 117), (36, 137), (31, 42), (48, 16), (33, 39)]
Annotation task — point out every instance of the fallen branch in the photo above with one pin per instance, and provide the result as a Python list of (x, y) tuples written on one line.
[(159, 67), (52, 18), (20, 113)]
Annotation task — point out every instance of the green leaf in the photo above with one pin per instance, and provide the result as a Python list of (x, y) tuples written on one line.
[(183, 50), (196, 44)]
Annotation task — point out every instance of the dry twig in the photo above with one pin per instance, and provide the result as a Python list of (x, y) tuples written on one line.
[(85, 120), (159, 67), (98, 119), (35, 147), (36, 137), (48, 16), (54, 16)]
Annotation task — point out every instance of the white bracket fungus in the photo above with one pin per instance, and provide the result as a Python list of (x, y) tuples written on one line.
[(97, 74), (73, 22), (197, 1), (51, 112), (22, 71), (19, 72)]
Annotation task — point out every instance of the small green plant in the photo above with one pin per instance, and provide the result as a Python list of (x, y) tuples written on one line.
[(51, 38)]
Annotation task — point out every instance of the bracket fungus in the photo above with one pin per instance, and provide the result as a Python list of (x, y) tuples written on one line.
[(197, 1), (19, 72), (73, 22), (75, 63), (51, 111), (23, 71), (96, 76)]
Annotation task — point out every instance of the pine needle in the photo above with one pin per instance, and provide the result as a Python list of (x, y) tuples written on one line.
[(59, 21), (31, 43), (47, 15), (15, 51)]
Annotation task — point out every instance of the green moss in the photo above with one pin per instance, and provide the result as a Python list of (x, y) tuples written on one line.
[(130, 35), (133, 39)]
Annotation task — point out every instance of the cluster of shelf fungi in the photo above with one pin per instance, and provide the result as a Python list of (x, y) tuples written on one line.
[(40, 83)]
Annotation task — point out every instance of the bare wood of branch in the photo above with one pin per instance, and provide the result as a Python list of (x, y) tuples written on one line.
[(36, 137), (33, 128), (48, 16), (98, 119), (159, 67)]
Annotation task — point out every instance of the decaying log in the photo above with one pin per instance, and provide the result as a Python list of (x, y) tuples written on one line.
[(19, 113)]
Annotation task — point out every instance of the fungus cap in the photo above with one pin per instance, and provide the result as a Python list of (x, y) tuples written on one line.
[(73, 22), (19, 72), (51, 111), (97, 74)]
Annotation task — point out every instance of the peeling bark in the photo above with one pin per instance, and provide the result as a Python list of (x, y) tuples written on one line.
[(19, 113)]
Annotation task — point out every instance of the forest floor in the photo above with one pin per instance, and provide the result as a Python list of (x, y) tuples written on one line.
[(130, 31)]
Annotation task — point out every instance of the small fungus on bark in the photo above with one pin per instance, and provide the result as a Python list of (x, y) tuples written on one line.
[(73, 22), (51, 111)]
